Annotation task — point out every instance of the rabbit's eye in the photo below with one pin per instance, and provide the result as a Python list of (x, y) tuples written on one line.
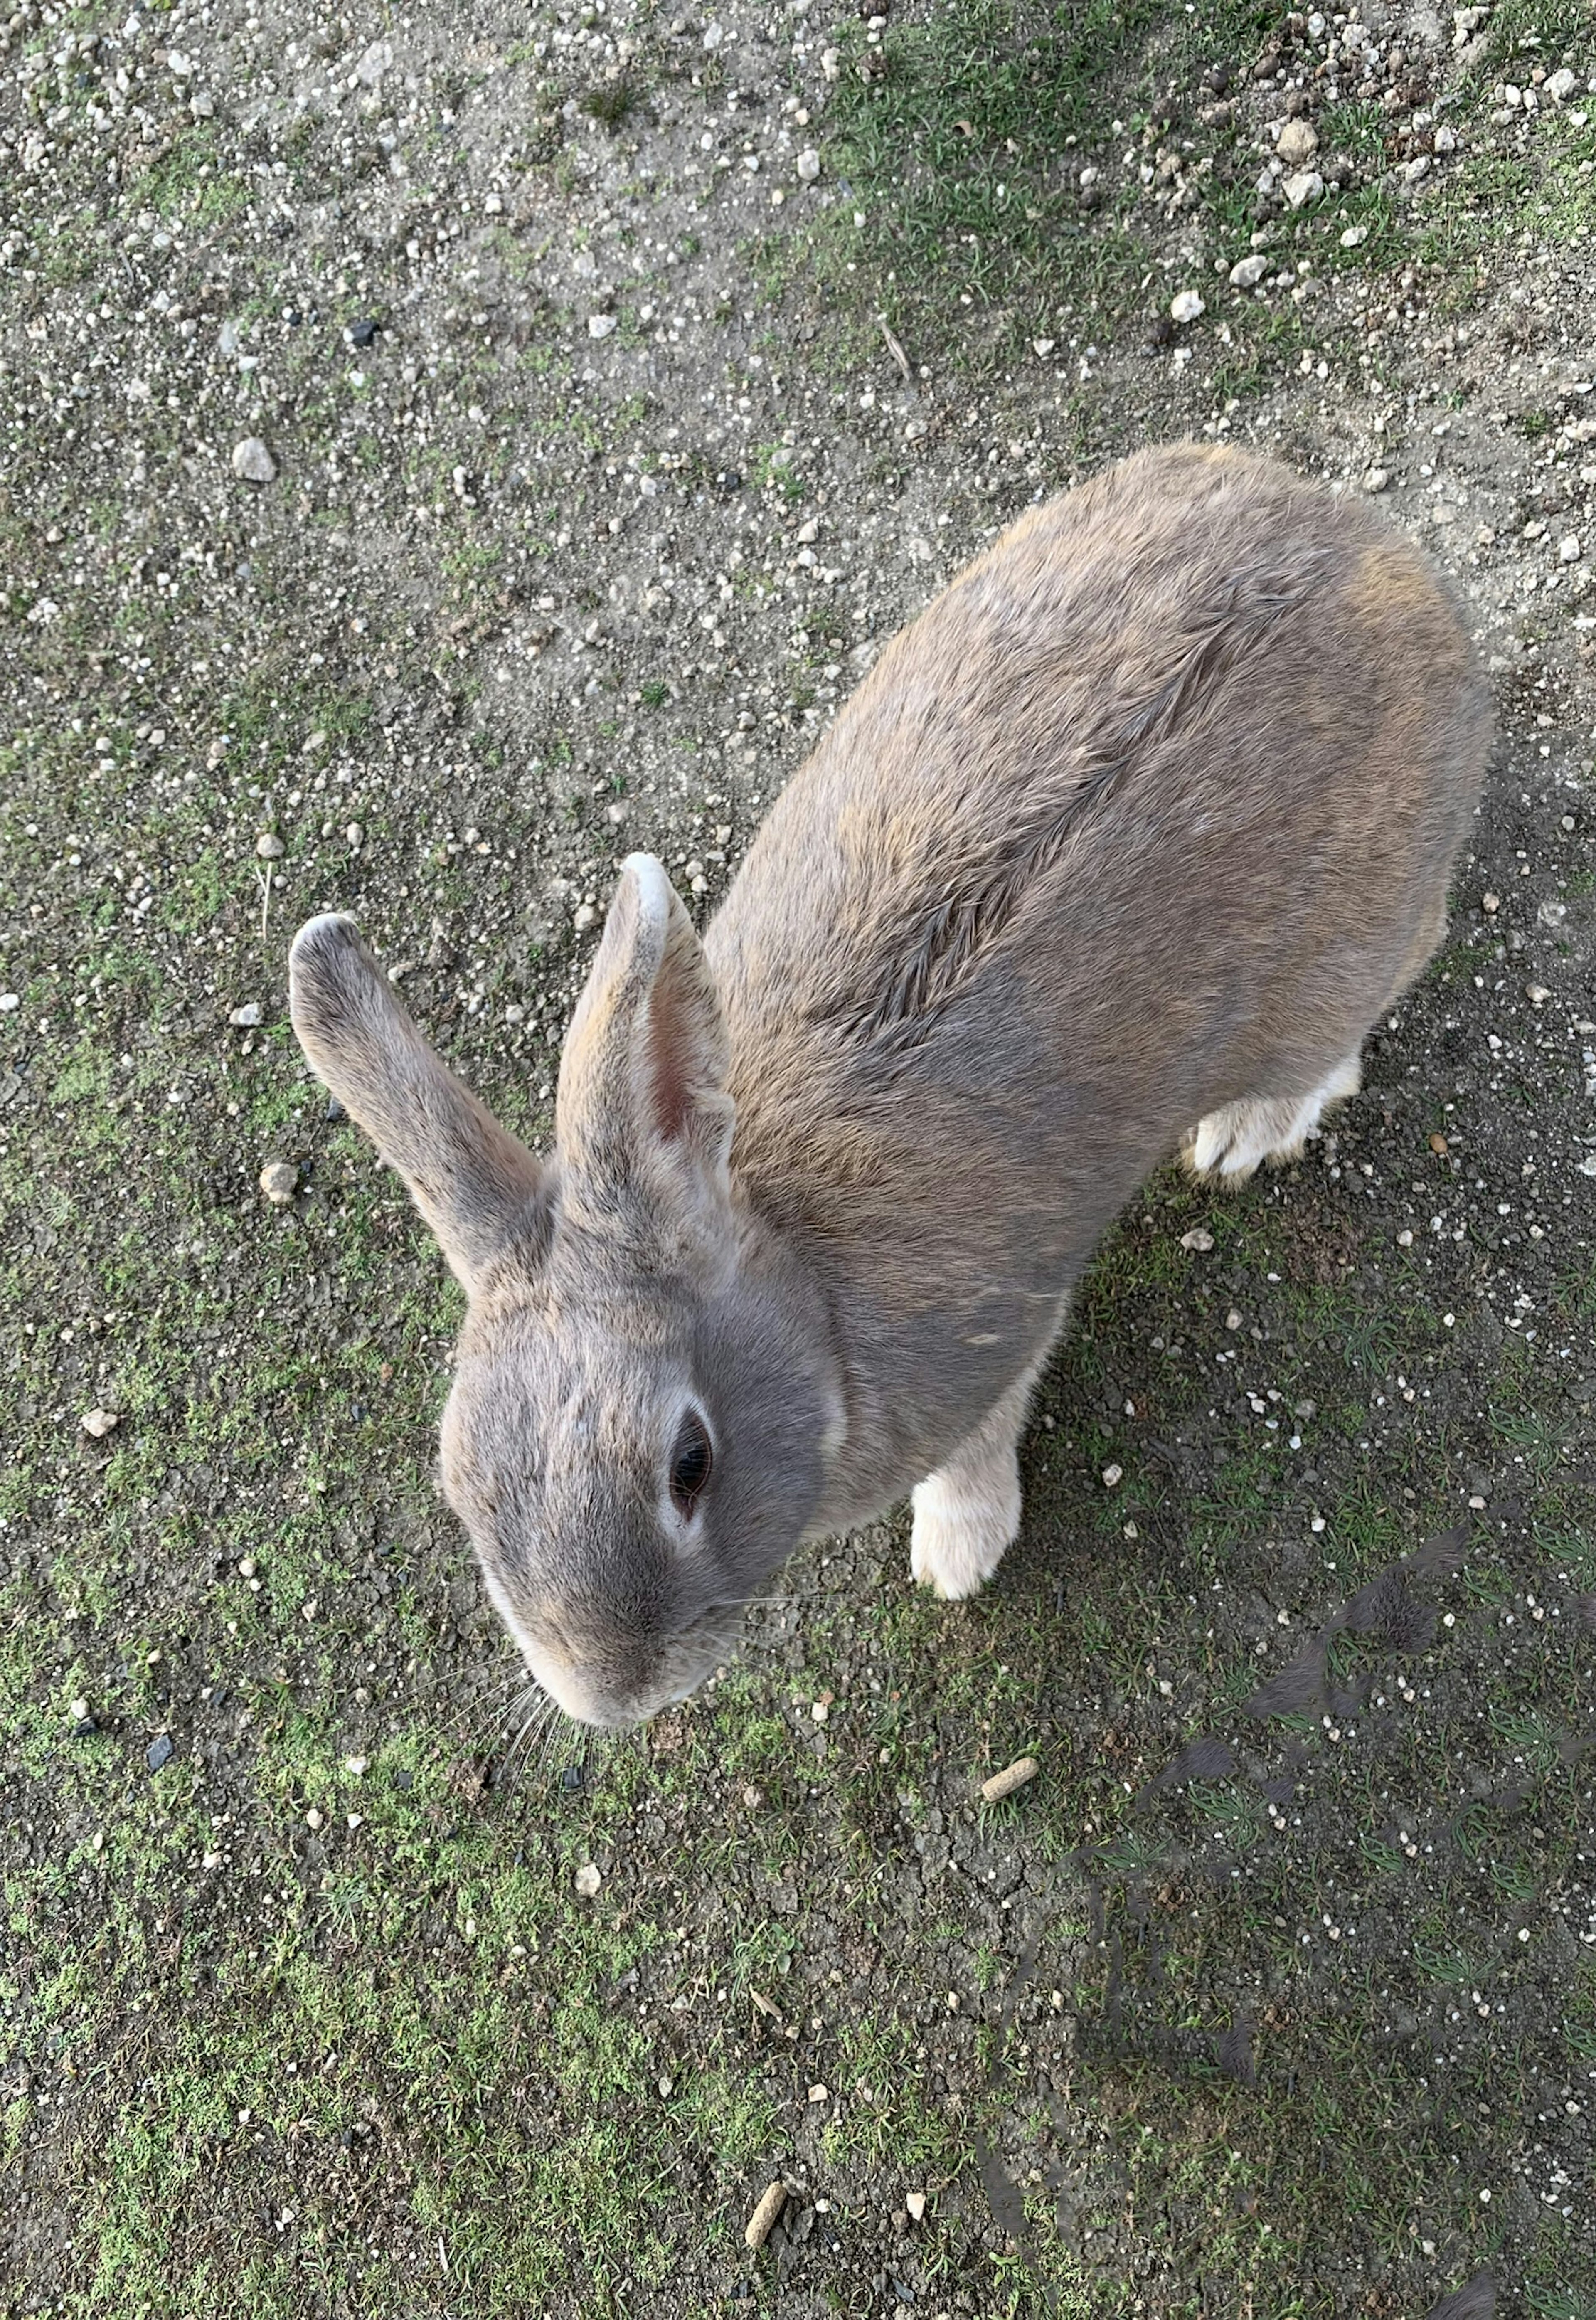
[(690, 1463)]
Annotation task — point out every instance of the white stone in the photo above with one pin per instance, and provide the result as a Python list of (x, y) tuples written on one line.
[(278, 1180), (252, 463), (1248, 272), (1561, 85), (588, 1881), (1305, 186), (1186, 306), (246, 1018), (1298, 141), (809, 165), (599, 326)]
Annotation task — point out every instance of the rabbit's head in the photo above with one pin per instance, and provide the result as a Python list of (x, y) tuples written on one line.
[(642, 1405)]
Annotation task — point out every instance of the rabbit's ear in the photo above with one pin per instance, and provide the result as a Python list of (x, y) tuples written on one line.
[(472, 1181), (642, 1103)]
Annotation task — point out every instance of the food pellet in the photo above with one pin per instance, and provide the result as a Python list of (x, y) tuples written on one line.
[(1003, 1784), (762, 2221)]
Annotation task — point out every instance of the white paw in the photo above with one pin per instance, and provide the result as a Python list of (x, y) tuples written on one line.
[(963, 1523), (1233, 1141)]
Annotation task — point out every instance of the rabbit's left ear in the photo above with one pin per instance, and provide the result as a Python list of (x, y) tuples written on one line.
[(642, 1104), (476, 1185)]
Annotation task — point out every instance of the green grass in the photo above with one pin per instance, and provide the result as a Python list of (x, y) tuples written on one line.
[(955, 139)]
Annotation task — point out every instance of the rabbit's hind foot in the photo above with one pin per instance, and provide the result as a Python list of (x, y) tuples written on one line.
[(1229, 1144)]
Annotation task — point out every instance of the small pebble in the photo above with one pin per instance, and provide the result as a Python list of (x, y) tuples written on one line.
[(1199, 1239), (252, 463), (1186, 306), (762, 2221), (313, 1818), (99, 1422), (160, 1752), (599, 326), (246, 1018), (1305, 186), (1376, 479), (278, 1180), (1014, 1776), (588, 1881), (1352, 237), (1112, 1476), (268, 845), (1437, 1145), (915, 2201), (809, 165), (1248, 272), (1297, 141)]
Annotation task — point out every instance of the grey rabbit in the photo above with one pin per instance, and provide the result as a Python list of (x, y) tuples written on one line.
[(1119, 850)]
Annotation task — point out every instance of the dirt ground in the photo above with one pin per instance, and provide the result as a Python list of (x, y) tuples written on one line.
[(445, 449)]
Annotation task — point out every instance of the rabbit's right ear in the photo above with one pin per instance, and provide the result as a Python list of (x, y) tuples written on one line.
[(472, 1181), (642, 1106)]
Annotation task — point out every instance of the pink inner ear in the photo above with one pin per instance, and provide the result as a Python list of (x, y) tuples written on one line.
[(670, 1060)]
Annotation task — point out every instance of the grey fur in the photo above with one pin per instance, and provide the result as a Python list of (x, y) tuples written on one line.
[(1145, 820)]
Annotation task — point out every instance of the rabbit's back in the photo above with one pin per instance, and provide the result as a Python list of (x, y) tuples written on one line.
[(1152, 810), (1184, 753)]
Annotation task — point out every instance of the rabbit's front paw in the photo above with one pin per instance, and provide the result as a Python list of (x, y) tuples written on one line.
[(964, 1519)]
